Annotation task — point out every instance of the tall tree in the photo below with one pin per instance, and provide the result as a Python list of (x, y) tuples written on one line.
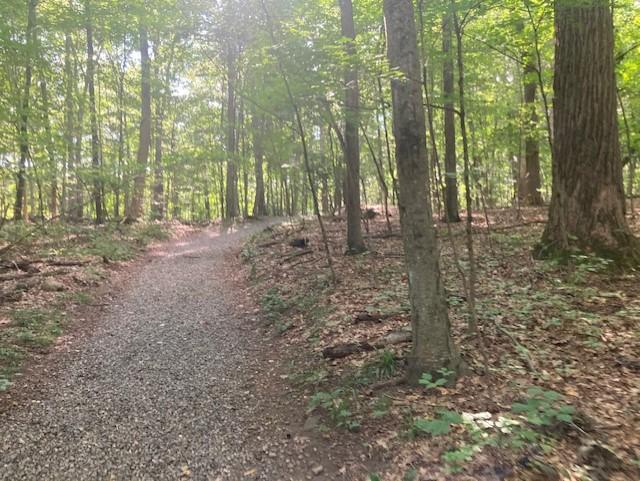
[(232, 200), (95, 138), (139, 181), (162, 99), (531, 185), (259, 205), (355, 242), (587, 206), (433, 347), (23, 124), (450, 161)]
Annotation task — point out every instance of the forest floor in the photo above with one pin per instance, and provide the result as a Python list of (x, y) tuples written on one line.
[(160, 372), (553, 388)]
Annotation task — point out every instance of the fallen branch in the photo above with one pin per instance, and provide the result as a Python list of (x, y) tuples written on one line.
[(345, 350), (522, 350), (295, 255)]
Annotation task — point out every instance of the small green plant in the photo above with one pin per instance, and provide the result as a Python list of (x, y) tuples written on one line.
[(386, 365), (4, 383), (337, 406), (437, 426), (248, 252), (381, 407), (35, 326), (312, 377), (457, 458), (410, 474), (427, 380), (585, 265), (273, 305), (544, 408)]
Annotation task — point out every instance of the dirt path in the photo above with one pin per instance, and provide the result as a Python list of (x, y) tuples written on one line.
[(174, 382)]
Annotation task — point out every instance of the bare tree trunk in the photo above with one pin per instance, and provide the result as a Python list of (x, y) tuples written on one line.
[(531, 194), (162, 103), (95, 140), (53, 165), (450, 161), (433, 347), (232, 200), (121, 138), (587, 206), (69, 80), (23, 125), (78, 191), (144, 146), (355, 241), (258, 128)]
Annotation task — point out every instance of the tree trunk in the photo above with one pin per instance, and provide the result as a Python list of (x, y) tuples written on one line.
[(232, 200), (433, 347), (69, 80), (95, 140), (78, 190), (531, 194), (587, 206), (23, 125), (139, 181), (162, 101), (259, 206), (450, 164), (355, 241), (53, 165)]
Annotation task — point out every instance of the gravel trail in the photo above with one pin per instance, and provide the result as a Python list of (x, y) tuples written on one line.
[(166, 387)]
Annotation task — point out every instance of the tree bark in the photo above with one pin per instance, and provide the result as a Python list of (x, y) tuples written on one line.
[(531, 194), (355, 241), (144, 146), (95, 139), (587, 206), (50, 146), (433, 347), (259, 205), (162, 103), (451, 179), (69, 80), (23, 125), (232, 200)]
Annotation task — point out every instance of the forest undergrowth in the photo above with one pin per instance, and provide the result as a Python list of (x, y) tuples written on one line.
[(552, 389)]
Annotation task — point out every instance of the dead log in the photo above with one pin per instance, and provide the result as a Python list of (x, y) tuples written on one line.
[(295, 255), (394, 338), (264, 245), (345, 350), (301, 243), (67, 263), (376, 317)]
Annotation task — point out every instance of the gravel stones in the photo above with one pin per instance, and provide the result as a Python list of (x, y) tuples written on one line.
[(162, 389)]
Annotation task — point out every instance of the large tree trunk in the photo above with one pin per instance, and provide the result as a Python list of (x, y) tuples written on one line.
[(232, 200), (23, 125), (53, 164), (69, 80), (587, 207), (139, 181), (355, 242), (162, 104), (451, 179), (433, 347), (259, 206), (95, 140), (531, 185), (78, 135)]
